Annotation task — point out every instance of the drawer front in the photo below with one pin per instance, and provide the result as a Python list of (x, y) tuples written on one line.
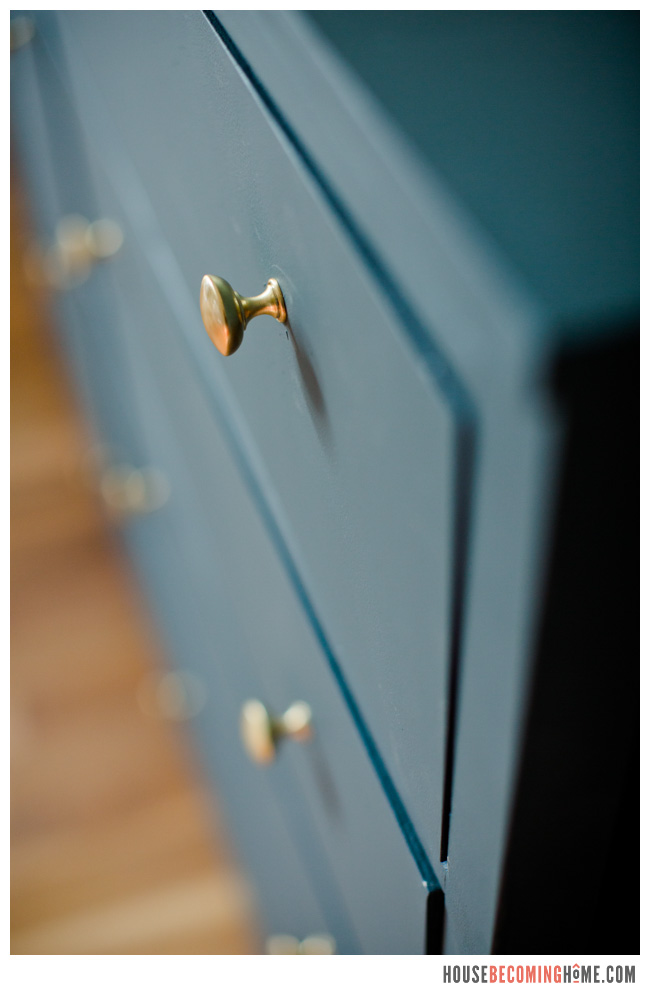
[(190, 605), (351, 441), (224, 599)]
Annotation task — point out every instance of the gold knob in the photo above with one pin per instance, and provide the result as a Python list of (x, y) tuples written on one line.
[(318, 943), (78, 245), (129, 491), (261, 732), (226, 313)]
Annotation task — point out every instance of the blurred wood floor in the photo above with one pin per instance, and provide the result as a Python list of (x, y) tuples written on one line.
[(114, 843)]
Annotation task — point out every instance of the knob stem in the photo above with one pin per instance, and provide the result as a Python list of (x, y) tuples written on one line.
[(270, 302), (261, 732), (295, 723)]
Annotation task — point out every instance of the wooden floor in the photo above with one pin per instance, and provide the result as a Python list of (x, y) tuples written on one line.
[(116, 847)]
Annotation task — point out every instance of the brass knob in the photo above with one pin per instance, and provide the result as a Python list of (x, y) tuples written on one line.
[(129, 491), (261, 732), (226, 313), (321, 943), (78, 245)]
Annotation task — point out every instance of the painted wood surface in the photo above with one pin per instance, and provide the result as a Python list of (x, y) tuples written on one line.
[(370, 493), (336, 411), (224, 595)]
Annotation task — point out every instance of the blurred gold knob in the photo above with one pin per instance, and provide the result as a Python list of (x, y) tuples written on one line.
[(21, 32), (176, 696), (261, 732), (129, 491), (226, 313), (321, 943), (78, 245)]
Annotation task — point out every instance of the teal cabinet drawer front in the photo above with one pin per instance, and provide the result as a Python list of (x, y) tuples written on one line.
[(230, 614), (351, 440), (285, 868), (284, 865)]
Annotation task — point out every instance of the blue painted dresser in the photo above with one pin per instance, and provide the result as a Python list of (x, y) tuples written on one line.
[(360, 507)]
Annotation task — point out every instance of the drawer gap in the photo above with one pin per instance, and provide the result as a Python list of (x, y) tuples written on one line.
[(465, 455)]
